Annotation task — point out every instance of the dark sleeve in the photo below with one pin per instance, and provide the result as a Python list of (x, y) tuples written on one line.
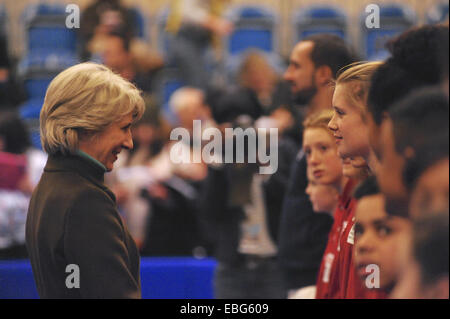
[(276, 186), (303, 233), (214, 195), (4, 58), (95, 241)]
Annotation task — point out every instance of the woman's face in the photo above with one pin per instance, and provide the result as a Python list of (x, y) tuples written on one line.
[(106, 145), (350, 130), (322, 159)]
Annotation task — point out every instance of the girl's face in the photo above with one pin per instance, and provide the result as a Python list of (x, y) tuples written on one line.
[(321, 156), (324, 198), (381, 240), (350, 130)]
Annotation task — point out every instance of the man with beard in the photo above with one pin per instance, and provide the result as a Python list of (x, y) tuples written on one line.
[(314, 63)]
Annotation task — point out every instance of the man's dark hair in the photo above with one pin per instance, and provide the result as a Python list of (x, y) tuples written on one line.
[(332, 51), (367, 187), (431, 246), (415, 62)]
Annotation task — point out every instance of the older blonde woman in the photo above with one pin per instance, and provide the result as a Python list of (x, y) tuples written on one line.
[(77, 243)]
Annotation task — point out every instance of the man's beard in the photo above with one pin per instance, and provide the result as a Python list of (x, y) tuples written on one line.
[(304, 96)]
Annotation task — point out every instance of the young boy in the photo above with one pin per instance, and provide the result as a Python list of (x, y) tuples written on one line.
[(381, 240)]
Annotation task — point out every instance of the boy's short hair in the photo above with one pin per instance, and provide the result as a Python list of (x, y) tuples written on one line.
[(415, 62), (420, 118), (368, 187), (420, 122)]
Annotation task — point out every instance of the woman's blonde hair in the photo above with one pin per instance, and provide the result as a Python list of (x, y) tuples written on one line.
[(356, 77), (87, 97), (319, 120)]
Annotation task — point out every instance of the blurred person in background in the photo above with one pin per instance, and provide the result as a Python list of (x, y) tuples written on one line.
[(198, 25), (313, 65), (425, 273), (174, 226), (11, 93), (105, 18), (116, 53), (259, 91), (323, 197), (20, 169), (242, 209), (101, 18)]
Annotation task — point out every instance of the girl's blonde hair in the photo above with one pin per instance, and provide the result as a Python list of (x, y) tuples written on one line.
[(87, 97), (319, 120), (356, 78)]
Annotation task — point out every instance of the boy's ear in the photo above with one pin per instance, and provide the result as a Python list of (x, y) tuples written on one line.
[(324, 75)]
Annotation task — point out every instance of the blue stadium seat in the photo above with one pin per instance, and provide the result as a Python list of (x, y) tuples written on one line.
[(394, 19), (54, 37), (254, 28), (36, 87), (438, 13), (51, 46), (319, 19), (46, 28), (46, 60)]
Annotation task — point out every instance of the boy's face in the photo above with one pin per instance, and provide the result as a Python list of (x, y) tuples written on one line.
[(322, 158), (324, 198), (380, 239), (389, 172), (431, 193)]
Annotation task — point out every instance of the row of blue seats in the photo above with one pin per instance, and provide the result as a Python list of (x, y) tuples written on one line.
[(255, 26)]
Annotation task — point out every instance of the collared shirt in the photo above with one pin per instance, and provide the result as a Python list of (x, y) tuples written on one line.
[(90, 158)]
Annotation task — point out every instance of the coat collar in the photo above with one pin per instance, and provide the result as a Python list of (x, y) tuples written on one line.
[(79, 164)]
